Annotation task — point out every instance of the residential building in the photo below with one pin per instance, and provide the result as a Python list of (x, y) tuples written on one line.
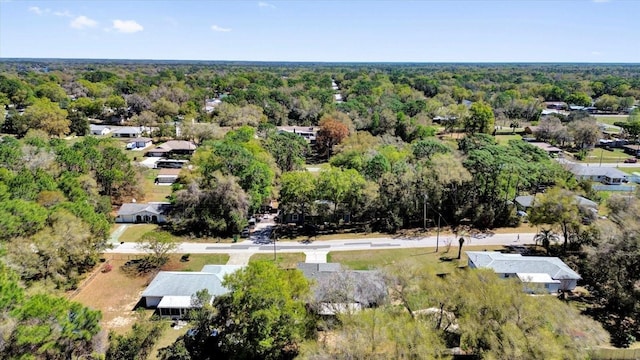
[(172, 148), (143, 213), (633, 150), (99, 130), (548, 148), (128, 132), (535, 272), (309, 133), (526, 201), (605, 175), (171, 292), (338, 290)]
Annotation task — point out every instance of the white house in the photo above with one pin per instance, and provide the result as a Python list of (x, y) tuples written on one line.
[(143, 213), (535, 272), (99, 129), (167, 176), (129, 132), (171, 291), (605, 175)]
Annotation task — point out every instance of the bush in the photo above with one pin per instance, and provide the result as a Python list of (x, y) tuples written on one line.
[(106, 268), (185, 257)]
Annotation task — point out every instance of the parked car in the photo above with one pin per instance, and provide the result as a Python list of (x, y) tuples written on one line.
[(245, 233), (631, 160)]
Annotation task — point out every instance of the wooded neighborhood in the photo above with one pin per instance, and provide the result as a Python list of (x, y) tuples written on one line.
[(95, 154)]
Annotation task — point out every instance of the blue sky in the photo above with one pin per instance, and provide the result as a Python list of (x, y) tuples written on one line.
[(296, 30)]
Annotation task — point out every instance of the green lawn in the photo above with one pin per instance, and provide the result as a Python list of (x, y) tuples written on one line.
[(617, 155), (611, 119), (134, 232), (197, 261), (283, 260), (630, 170), (370, 259)]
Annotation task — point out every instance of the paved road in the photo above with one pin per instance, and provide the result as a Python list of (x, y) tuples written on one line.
[(620, 164), (319, 247)]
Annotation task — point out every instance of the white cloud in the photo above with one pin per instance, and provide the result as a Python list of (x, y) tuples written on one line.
[(127, 26), (264, 4), (82, 22), (35, 10), (65, 13), (219, 29), (601, 1)]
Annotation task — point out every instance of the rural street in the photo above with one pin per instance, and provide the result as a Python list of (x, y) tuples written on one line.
[(250, 246)]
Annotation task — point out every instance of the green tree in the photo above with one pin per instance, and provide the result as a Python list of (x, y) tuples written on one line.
[(159, 244), (288, 150), (557, 207), (480, 119), (263, 316), (47, 115), (545, 237), (52, 327), (297, 192)]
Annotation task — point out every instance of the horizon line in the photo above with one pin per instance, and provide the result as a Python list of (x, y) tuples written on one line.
[(5, 59)]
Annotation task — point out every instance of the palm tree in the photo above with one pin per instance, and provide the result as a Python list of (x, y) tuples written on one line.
[(463, 233), (546, 236)]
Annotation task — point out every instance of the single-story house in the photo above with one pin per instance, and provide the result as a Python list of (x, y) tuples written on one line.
[(128, 132), (548, 148), (167, 176), (535, 272), (173, 147), (171, 292), (309, 133), (605, 175), (338, 290), (524, 202), (143, 213), (99, 129)]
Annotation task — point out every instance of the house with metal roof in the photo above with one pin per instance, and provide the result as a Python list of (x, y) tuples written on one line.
[(128, 132), (143, 213), (171, 292), (605, 175), (535, 272), (309, 133), (99, 129)]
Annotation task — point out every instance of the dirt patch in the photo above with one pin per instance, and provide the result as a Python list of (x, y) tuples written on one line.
[(115, 294)]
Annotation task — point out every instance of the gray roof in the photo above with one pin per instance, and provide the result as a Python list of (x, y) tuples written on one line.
[(176, 145), (135, 208), (336, 285), (128, 130), (516, 263), (581, 170), (526, 201), (221, 270), (184, 283), (93, 127)]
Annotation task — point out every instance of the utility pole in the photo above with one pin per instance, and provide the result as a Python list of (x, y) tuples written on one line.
[(438, 233), (424, 217)]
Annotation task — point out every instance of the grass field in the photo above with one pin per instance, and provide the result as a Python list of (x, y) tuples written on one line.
[(134, 232), (615, 156), (195, 262), (368, 259), (611, 119), (630, 170), (283, 260)]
